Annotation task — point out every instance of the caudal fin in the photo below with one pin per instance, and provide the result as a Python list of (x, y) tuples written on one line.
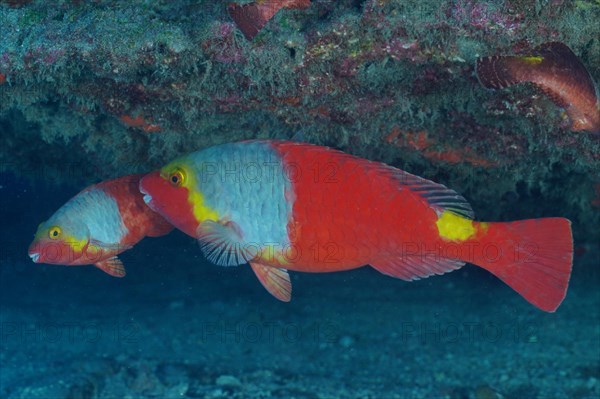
[(534, 257), (250, 18)]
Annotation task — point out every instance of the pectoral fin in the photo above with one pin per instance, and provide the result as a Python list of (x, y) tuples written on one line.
[(223, 244), (276, 281), (112, 266)]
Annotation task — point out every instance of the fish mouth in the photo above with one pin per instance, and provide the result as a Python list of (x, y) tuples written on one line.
[(34, 257), (147, 197)]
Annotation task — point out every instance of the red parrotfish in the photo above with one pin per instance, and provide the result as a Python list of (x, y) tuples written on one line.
[(282, 205), (250, 18), (557, 72), (96, 225)]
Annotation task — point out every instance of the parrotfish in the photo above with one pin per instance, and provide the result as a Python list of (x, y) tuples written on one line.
[(282, 205), (96, 225), (250, 18), (556, 71)]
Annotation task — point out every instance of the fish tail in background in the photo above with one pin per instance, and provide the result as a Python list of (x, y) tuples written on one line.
[(534, 257), (250, 18)]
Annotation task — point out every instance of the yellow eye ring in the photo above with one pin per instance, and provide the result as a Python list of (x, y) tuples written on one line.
[(177, 177), (54, 232)]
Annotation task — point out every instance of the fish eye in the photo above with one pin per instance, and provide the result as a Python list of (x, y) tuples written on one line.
[(177, 177), (54, 232)]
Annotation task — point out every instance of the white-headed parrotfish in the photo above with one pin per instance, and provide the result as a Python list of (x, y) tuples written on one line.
[(96, 225), (281, 205), (557, 72)]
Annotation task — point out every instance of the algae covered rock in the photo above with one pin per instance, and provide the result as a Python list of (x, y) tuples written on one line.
[(94, 90)]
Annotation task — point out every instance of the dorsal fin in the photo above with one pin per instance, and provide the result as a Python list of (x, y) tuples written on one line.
[(560, 55), (437, 195), (498, 72)]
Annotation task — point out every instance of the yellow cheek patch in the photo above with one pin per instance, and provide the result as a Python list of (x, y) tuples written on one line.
[(75, 244), (533, 60), (199, 208), (454, 227)]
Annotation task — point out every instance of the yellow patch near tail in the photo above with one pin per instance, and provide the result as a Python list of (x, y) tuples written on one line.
[(533, 60), (454, 227)]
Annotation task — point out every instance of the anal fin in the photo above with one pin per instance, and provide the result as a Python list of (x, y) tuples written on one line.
[(415, 267), (276, 281), (112, 266)]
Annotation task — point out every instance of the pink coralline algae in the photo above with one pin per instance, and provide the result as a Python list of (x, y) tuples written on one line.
[(370, 105), (43, 56), (4, 60), (52, 56), (479, 16), (229, 103), (223, 30)]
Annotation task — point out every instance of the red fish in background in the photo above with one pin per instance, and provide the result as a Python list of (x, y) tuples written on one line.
[(96, 225), (555, 70), (250, 18)]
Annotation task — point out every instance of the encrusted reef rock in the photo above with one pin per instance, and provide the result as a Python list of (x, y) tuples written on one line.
[(92, 90)]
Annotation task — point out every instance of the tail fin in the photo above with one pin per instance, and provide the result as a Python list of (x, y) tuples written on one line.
[(534, 257), (250, 18)]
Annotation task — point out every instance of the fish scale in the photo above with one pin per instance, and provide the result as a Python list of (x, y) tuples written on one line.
[(240, 196), (339, 227)]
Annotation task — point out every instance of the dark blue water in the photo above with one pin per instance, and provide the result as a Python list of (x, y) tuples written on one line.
[(177, 326)]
